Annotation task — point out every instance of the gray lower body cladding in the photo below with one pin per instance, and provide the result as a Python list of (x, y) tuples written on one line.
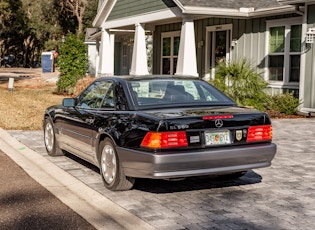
[(196, 163)]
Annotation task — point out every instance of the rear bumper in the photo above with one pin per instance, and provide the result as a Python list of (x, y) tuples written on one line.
[(195, 163)]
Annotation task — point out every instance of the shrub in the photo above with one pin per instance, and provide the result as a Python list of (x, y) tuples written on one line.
[(242, 82), (72, 63), (285, 103)]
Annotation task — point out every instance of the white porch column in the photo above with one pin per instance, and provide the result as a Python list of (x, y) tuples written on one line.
[(97, 59), (187, 59), (97, 64), (139, 63), (106, 54)]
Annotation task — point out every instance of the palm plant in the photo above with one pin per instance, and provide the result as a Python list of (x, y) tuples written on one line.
[(242, 82)]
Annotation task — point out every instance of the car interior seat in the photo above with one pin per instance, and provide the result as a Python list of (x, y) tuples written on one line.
[(177, 93)]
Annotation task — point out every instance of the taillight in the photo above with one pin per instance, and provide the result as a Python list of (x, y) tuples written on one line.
[(259, 133), (159, 140)]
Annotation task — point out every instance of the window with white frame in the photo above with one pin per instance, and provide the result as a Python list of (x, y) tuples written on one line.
[(169, 52), (284, 51)]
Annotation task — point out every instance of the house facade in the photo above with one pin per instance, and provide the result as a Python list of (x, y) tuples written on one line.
[(189, 37)]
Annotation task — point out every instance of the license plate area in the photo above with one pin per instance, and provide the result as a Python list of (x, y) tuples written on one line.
[(218, 137)]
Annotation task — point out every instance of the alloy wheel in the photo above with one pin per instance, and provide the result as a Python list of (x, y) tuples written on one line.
[(109, 164), (49, 136)]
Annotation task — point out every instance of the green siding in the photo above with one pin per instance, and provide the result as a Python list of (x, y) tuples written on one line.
[(200, 34), (128, 8), (117, 63), (251, 40), (311, 15), (249, 33)]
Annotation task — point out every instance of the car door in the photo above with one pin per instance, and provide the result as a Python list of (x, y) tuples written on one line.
[(78, 123)]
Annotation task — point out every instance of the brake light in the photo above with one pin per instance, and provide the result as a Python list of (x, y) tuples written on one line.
[(214, 117), (159, 140), (259, 133)]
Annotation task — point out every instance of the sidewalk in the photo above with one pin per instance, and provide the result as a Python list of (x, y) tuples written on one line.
[(98, 211), (27, 77)]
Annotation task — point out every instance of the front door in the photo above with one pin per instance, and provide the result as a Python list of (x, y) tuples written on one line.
[(217, 47)]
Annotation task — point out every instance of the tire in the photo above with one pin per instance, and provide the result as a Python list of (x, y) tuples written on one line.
[(50, 141), (111, 171)]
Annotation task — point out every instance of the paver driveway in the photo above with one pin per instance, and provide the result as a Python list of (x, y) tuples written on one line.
[(279, 197)]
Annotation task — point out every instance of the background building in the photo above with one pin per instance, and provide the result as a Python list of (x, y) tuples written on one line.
[(189, 37)]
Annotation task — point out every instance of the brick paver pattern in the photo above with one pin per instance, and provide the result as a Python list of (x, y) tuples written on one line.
[(278, 197)]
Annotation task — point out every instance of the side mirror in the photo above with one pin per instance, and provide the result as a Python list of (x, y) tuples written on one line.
[(68, 102)]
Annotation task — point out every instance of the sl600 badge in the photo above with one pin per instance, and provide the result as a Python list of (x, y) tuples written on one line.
[(179, 127)]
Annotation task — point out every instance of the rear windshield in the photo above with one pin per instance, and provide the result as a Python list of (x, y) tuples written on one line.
[(170, 92)]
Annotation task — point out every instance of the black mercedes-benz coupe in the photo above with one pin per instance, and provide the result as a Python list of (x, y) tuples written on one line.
[(161, 127)]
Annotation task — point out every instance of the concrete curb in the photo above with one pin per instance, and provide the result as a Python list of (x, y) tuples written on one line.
[(91, 205)]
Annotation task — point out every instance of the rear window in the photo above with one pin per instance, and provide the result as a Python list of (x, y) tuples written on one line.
[(170, 92)]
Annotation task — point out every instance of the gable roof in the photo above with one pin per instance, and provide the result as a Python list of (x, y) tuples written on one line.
[(88, 35), (196, 8)]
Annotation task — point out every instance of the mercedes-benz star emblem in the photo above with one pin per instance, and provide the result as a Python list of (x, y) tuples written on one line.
[(218, 123)]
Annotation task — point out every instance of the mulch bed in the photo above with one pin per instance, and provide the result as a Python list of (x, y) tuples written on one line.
[(277, 115)]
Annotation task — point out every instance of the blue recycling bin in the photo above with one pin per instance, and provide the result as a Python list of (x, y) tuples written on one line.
[(47, 62)]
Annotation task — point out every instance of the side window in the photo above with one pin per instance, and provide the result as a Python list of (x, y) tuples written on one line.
[(108, 102), (283, 54), (121, 102), (169, 52), (93, 96), (276, 53)]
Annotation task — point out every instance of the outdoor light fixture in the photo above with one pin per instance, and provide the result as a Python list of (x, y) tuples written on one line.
[(310, 35), (234, 42)]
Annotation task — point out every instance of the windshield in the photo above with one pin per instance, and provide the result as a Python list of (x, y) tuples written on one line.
[(170, 92)]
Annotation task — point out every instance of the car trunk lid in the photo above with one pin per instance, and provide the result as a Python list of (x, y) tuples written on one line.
[(215, 127)]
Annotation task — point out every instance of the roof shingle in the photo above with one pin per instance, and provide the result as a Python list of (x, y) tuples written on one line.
[(231, 4)]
